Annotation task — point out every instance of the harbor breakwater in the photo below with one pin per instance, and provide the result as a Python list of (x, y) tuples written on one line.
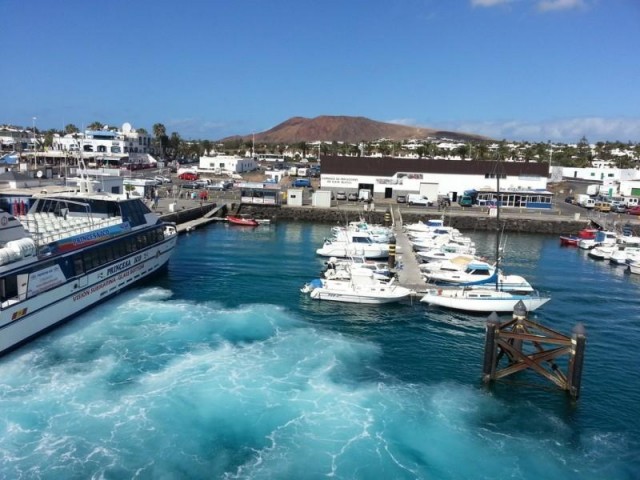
[(474, 220), (525, 223)]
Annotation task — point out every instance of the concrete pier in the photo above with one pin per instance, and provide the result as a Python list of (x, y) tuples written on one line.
[(407, 263)]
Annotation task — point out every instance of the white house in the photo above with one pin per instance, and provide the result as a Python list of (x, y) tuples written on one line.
[(227, 164)]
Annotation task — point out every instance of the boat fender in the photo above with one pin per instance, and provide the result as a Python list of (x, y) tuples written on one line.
[(439, 291)]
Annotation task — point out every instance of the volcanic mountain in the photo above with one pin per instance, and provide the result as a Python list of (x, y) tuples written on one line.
[(346, 129)]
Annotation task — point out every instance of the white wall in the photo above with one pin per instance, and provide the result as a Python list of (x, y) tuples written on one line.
[(446, 182)]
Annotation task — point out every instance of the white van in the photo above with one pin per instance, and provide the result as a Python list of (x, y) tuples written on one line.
[(632, 201), (364, 195), (417, 199), (588, 203)]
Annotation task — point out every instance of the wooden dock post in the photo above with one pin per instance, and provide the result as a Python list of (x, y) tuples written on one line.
[(392, 254), (522, 342), (490, 350), (578, 340)]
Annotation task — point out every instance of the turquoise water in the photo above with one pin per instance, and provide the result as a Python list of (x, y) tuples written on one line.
[(220, 368)]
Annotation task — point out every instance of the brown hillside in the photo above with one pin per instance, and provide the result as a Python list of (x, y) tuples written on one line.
[(345, 129)]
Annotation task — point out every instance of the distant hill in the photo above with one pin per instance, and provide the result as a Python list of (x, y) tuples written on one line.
[(345, 129)]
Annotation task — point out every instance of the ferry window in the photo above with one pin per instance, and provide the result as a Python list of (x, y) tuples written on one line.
[(78, 265), (8, 287), (142, 241), (93, 261)]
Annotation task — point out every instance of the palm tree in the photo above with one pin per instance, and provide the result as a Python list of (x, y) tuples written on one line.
[(463, 151), (160, 132), (482, 151), (95, 126), (71, 128)]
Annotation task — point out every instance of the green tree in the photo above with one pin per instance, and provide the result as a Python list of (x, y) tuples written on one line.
[(462, 151), (70, 129), (482, 151), (95, 126), (160, 133), (584, 152)]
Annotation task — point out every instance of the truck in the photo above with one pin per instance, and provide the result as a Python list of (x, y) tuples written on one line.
[(468, 198), (593, 189)]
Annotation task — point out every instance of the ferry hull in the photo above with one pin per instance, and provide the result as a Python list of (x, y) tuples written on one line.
[(41, 313)]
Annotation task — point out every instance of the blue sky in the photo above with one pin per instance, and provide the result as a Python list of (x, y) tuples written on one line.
[(533, 70)]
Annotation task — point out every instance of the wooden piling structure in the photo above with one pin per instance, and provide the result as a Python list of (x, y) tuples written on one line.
[(529, 345)]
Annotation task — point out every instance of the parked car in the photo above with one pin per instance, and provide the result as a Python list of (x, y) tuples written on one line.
[(301, 182), (188, 176), (341, 196), (190, 185), (352, 197), (160, 179), (570, 199), (634, 210), (619, 208), (602, 207), (401, 199)]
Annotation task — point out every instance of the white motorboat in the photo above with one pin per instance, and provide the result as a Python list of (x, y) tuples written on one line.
[(479, 274), (378, 233), (482, 299), (445, 252), (430, 225), (602, 238), (455, 263), (361, 288), (634, 267), (341, 269), (353, 244), (602, 252)]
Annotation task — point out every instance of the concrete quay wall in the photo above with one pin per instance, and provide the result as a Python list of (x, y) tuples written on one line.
[(525, 223)]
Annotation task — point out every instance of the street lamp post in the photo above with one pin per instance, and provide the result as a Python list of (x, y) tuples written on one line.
[(33, 131)]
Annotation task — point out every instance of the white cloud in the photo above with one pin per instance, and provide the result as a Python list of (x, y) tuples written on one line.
[(541, 5), (488, 3), (568, 130), (551, 5), (409, 122)]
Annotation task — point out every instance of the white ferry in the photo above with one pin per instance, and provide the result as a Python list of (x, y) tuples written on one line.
[(71, 251)]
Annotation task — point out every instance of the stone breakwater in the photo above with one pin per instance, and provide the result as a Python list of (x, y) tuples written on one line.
[(525, 223)]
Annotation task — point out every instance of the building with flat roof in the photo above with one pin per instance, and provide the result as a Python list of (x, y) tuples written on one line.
[(387, 177)]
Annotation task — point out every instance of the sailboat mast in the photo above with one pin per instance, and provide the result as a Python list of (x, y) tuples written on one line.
[(498, 226)]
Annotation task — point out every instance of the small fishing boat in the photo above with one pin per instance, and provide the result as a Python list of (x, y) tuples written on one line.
[(242, 220), (573, 240)]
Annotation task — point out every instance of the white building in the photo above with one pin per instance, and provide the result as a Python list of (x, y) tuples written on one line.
[(109, 142), (599, 174), (388, 177), (220, 164)]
